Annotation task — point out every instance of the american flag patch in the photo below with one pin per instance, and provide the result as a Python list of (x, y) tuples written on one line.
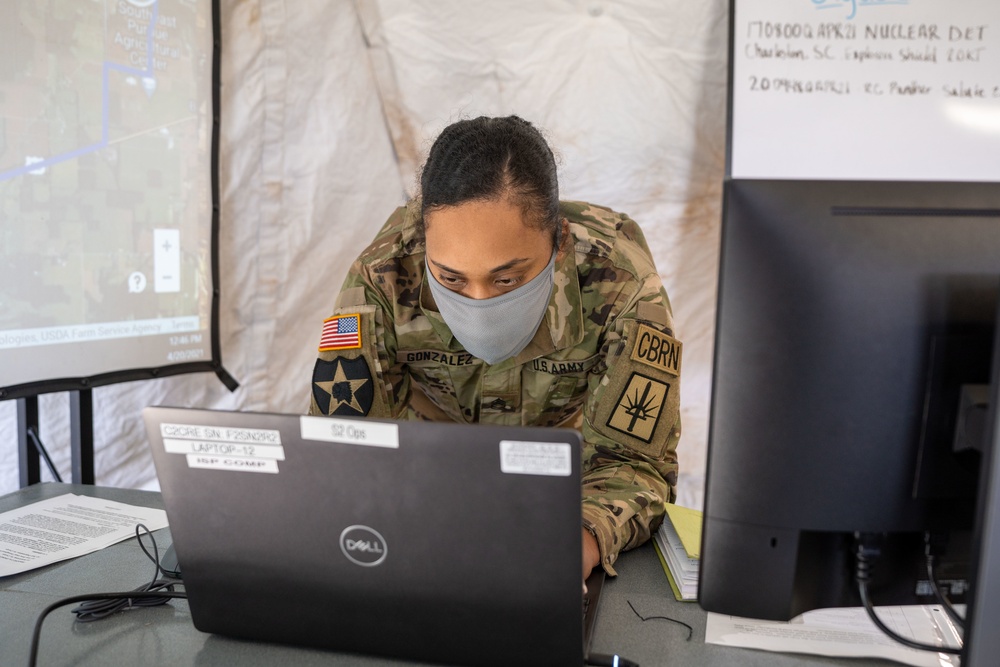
[(342, 332)]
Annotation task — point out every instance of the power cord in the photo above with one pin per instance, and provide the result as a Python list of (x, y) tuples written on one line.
[(941, 597), (932, 543), (865, 555), (96, 606)]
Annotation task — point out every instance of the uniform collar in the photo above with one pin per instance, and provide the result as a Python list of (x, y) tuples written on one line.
[(561, 328)]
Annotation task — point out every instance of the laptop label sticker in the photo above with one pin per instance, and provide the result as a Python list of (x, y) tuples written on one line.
[(350, 431), (232, 463), (225, 448), (173, 446), (258, 436), (553, 459)]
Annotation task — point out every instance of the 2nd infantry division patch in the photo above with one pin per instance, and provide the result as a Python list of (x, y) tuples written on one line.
[(343, 387), (639, 407)]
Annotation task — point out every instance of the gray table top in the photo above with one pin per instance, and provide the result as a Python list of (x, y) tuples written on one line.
[(165, 635)]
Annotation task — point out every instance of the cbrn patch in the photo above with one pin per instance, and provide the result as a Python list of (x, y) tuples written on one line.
[(639, 407), (343, 387), (657, 349)]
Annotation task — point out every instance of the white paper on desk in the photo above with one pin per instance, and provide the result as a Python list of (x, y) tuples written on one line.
[(846, 632), (65, 527)]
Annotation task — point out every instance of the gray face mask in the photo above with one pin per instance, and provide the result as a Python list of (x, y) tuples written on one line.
[(498, 328)]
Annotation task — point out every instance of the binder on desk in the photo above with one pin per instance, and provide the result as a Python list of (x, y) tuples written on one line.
[(678, 545)]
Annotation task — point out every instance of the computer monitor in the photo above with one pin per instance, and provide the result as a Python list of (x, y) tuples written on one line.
[(854, 318)]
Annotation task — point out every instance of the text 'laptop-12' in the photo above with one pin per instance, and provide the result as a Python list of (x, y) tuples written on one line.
[(447, 543)]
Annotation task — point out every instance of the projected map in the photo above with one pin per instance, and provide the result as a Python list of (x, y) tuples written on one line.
[(105, 166)]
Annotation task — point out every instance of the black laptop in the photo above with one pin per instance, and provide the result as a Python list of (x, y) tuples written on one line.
[(446, 543)]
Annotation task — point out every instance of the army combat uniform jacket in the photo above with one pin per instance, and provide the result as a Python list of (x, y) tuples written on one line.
[(603, 360)]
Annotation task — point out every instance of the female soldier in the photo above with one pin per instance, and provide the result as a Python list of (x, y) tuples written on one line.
[(489, 300)]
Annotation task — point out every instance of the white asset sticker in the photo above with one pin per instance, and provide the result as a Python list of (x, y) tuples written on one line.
[(350, 431), (232, 463), (256, 436), (225, 448), (175, 446), (554, 459)]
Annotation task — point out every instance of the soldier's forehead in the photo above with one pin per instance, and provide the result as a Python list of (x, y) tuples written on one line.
[(510, 264)]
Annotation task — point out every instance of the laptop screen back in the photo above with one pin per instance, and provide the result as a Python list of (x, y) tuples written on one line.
[(439, 542)]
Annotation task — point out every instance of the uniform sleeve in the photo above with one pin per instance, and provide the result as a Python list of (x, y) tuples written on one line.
[(631, 424), (356, 374)]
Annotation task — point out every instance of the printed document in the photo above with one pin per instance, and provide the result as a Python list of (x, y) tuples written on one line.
[(845, 632), (65, 527)]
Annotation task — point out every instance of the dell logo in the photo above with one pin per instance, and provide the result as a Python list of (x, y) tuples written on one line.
[(363, 545)]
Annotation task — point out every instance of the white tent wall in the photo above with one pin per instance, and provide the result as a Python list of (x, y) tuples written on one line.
[(327, 111), (307, 170)]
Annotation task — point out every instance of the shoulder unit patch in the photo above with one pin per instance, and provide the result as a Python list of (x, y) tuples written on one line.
[(639, 407), (343, 387), (657, 349)]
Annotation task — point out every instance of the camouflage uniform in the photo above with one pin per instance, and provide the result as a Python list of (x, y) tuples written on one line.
[(603, 361)]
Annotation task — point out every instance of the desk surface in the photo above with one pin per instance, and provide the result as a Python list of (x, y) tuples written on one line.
[(165, 635)]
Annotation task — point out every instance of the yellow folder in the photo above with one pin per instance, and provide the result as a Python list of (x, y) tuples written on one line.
[(687, 523)]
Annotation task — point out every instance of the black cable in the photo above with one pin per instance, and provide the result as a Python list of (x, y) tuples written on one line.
[(95, 606), (863, 588), (661, 618), (99, 608), (941, 597), (102, 608), (128, 595), (864, 555), (40, 448)]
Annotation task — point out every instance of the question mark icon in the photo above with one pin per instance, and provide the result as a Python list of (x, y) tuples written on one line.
[(136, 282)]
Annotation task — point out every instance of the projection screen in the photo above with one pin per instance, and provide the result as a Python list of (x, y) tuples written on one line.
[(108, 153)]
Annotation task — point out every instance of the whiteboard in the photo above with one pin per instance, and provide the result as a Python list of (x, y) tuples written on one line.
[(866, 90)]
